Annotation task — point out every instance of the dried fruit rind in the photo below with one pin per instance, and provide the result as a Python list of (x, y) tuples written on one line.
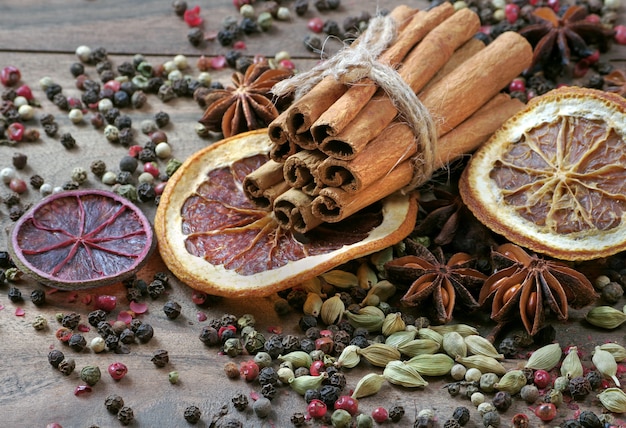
[(398, 218), (552, 178), (81, 239)]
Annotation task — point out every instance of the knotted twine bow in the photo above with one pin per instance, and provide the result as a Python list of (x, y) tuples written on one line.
[(353, 63)]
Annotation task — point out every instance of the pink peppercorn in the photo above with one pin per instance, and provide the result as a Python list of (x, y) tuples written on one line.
[(380, 415), (620, 34), (81, 390), (151, 168), (317, 367), (511, 11), (106, 302), (25, 91), (10, 75), (249, 370), (315, 24), (117, 370), (517, 85), (18, 185), (192, 16), (316, 409), (15, 131)]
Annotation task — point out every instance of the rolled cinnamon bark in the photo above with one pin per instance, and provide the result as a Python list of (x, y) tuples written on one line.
[(292, 127), (257, 184), (301, 170), (293, 210), (334, 204), (422, 63)]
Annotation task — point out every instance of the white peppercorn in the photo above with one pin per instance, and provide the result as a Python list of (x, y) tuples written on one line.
[(163, 150), (169, 66), (458, 371), (45, 189), (97, 344), (45, 82), (283, 14), (109, 178), (473, 374), (204, 78), (79, 175), (7, 174), (175, 74), (83, 53), (181, 62), (57, 189), (145, 177), (105, 105), (477, 398), (19, 101), (486, 407), (148, 126), (111, 133)]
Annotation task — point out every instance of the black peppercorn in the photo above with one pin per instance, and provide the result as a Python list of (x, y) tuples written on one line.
[(77, 69), (52, 90), (301, 7), (321, 5), (123, 121), (70, 320), (162, 119), (133, 293), (268, 375), (15, 295), (127, 336), (128, 163), (274, 345), (461, 414), (156, 288), (594, 378), (107, 75), (209, 336), (124, 177), (269, 391), (332, 28), (67, 366), (160, 358), (249, 26), (147, 155), (36, 181), (38, 297), (125, 415), (240, 402), (192, 414), (195, 36), (579, 387), (571, 423), (172, 309), (55, 357), (154, 84), (180, 6), (311, 394), (306, 322), (145, 192), (70, 185), (19, 160), (337, 379), (103, 327), (451, 423), (15, 212), (61, 101), (502, 401), (329, 394), (312, 43), (77, 342), (126, 137), (225, 37), (144, 333), (112, 342), (121, 99), (5, 260), (126, 69), (114, 403), (68, 141)]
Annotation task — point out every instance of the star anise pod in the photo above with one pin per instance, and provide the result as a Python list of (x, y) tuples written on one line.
[(434, 280), (246, 105), (528, 285), (565, 35), (616, 82)]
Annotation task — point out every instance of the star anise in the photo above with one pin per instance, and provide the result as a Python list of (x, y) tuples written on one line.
[(526, 285), (565, 35), (616, 82), (248, 104), (434, 280)]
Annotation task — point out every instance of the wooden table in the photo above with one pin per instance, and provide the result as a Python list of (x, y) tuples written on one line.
[(40, 39)]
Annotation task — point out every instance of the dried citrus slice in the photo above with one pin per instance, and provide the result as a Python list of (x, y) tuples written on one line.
[(213, 239), (81, 239), (553, 177)]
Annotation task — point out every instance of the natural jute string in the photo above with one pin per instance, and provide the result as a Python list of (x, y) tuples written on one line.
[(353, 63)]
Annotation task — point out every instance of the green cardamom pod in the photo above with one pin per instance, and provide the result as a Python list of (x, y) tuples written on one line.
[(400, 338), (400, 373), (368, 385), (340, 278), (379, 354), (393, 323), (617, 350), (369, 317), (366, 276), (332, 310), (349, 357), (285, 374), (432, 365), (614, 399), (478, 345), (297, 358), (303, 383), (511, 382), (483, 363), (571, 366), (545, 358), (462, 329), (381, 257), (312, 304), (454, 345), (605, 317), (381, 291), (312, 285), (418, 347), (605, 363), (429, 333)]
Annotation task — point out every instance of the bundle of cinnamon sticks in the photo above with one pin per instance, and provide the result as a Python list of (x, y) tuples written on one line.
[(342, 147)]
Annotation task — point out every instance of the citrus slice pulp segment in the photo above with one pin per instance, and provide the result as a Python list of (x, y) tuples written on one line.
[(213, 239), (553, 177), (81, 239)]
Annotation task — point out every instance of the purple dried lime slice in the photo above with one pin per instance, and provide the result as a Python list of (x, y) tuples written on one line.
[(82, 239)]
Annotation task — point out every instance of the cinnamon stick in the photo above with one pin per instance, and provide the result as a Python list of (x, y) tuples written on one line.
[(295, 122), (418, 68), (256, 185), (335, 204), (301, 170), (293, 210)]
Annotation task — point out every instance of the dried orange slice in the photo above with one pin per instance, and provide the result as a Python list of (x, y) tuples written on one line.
[(81, 239), (213, 239), (553, 177)]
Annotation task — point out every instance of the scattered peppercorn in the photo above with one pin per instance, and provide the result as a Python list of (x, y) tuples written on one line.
[(160, 358), (67, 366), (192, 414), (55, 357), (144, 333), (125, 415), (172, 309), (68, 141)]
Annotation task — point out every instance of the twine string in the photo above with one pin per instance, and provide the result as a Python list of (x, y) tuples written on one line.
[(360, 60)]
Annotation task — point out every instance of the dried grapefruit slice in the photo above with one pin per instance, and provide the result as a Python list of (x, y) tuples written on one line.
[(553, 177), (213, 239), (82, 238)]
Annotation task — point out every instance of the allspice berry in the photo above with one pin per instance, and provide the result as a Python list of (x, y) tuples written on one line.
[(19, 160)]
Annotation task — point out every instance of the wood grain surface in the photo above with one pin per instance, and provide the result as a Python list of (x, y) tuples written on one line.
[(40, 39)]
